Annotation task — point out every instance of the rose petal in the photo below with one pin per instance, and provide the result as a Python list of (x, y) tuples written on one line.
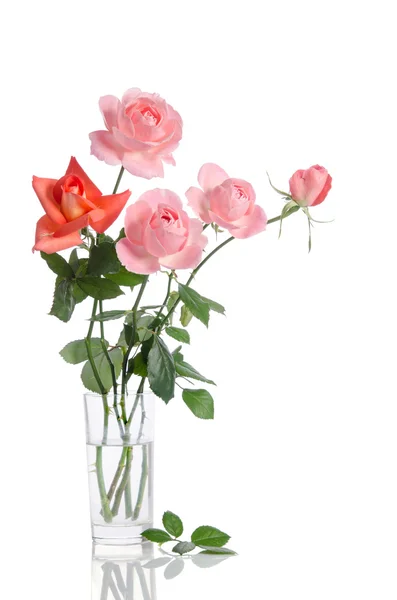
[(111, 206), (72, 226), (137, 217), (109, 107), (196, 234), (130, 144), (135, 258), (250, 225), (45, 240), (152, 243), (220, 201), (160, 196), (130, 96), (73, 206), (199, 202), (44, 191), (188, 258), (90, 188), (211, 175), (105, 147), (143, 165)]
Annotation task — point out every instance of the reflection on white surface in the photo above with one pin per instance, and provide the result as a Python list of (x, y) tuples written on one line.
[(130, 573)]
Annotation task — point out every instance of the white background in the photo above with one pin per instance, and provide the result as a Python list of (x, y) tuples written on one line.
[(299, 465)]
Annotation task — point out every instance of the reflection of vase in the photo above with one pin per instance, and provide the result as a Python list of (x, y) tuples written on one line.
[(123, 578), (120, 464)]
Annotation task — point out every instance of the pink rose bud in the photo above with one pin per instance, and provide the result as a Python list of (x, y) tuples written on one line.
[(310, 187), (230, 203), (142, 132), (72, 203), (159, 233)]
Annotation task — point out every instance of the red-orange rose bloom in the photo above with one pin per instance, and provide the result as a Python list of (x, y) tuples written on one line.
[(72, 203)]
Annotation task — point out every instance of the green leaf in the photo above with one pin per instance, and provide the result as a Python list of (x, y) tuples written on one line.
[(103, 259), (186, 316), (76, 352), (103, 238), (143, 324), (209, 536), (215, 550), (183, 547), (172, 300), (100, 289), (128, 333), (200, 403), (215, 306), (139, 366), (105, 374), (74, 260), (126, 278), (181, 335), (161, 370), (156, 535), (78, 293), (195, 303), (178, 356), (173, 524), (183, 369), (82, 267), (121, 235), (63, 303), (109, 315), (58, 264)]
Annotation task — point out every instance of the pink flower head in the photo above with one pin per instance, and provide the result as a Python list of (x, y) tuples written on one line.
[(142, 132), (72, 203), (310, 187), (159, 233), (230, 203)]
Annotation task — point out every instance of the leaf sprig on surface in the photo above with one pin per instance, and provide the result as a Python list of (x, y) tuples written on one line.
[(207, 539)]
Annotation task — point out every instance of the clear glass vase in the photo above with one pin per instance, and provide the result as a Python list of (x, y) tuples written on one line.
[(119, 432)]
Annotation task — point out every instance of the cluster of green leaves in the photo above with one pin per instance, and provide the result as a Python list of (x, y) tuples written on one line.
[(209, 540), (195, 305), (99, 276)]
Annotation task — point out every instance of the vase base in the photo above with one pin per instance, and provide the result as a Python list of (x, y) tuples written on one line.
[(119, 535)]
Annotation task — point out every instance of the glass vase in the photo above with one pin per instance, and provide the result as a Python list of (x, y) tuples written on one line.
[(119, 435)]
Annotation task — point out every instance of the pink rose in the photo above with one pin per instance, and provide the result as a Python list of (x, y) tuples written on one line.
[(142, 132), (230, 203), (159, 233), (310, 187)]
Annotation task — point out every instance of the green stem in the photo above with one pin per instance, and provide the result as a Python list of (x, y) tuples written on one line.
[(133, 337), (137, 398), (105, 419), (89, 350), (107, 513), (116, 187), (117, 475), (192, 276), (164, 305), (142, 484), (128, 499), (105, 351), (124, 482)]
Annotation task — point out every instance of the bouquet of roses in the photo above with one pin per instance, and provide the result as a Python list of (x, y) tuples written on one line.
[(159, 234)]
